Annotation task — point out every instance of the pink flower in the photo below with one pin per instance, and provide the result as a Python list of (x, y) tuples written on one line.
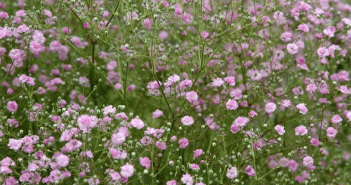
[(314, 142), (250, 171), (336, 119), (252, 113), (145, 161), (234, 128), (323, 52), (329, 31), (192, 97), (197, 153), (300, 130), (187, 120), (118, 138), (232, 173), (195, 166), (303, 27), (62, 160), (286, 37), (302, 108), (172, 182), (15, 144), (230, 80), (217, 82), (157, 114), (127, 170), (241, 121), (270, 107), (331, 132), (109, 110), (27, 79), (86, 25), (147, 24), (204, 34), (183, 143), (311, 88), (279, 129), (87, 122), (187, 179), (292, 48), (137, 123), (12, 106), (231, 104), (307, 161)]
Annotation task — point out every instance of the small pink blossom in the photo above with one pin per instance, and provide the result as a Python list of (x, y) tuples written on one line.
[(183, 143), (127, 170), (292, 48), (12, 106), (279, 129), (187, 120), (331, 132), (270, 107), (336, 119), (137, 123), (232, 173), (300, 130), (302, 108)]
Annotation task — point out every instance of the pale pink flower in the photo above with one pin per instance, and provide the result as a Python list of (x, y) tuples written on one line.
[(279, 129), (137, 123), (301, 130), (292, 48), (187, 120), (331, 132), (302, 108), (232, 173)]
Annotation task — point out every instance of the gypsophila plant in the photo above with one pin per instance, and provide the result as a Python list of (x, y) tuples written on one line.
[(175, 92)]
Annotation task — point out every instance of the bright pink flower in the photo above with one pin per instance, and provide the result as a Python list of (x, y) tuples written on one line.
[(303, 27), (250, 171), (314, 142), (12, 106), (183, 143)]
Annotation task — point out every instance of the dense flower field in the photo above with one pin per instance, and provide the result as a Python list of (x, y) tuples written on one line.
[(175, 92)]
